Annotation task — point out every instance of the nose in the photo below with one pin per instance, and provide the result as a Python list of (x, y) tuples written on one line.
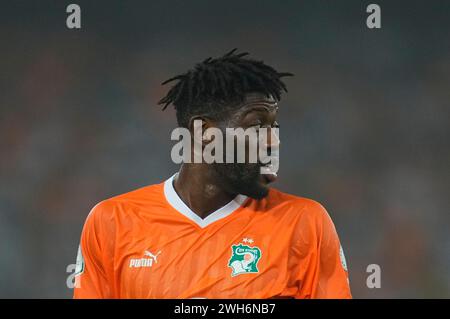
[(272, 143)]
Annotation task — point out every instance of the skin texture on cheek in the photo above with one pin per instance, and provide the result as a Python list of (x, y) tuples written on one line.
[(245, 178)]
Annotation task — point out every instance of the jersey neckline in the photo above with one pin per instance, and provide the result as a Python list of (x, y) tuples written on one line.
[(177, 203)]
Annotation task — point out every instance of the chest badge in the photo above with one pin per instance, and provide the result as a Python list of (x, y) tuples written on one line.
[(244, 258)]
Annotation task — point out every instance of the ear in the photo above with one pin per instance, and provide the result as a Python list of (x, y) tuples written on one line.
[(198, 125)]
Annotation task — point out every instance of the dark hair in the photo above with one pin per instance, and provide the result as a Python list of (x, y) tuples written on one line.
[(214, 86)]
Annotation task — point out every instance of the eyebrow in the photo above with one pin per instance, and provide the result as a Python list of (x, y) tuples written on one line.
[(261, 106)]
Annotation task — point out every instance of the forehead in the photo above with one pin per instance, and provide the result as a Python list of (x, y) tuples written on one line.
[(258, 100), (254, 104), (259, 97)]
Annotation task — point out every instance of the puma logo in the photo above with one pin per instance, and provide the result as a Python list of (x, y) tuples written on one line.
[(145, 262)]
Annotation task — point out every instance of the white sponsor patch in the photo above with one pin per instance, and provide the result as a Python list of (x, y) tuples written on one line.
[(79, 267), (342, 256)]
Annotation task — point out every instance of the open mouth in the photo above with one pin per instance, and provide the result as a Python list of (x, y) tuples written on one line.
[(268, 173)]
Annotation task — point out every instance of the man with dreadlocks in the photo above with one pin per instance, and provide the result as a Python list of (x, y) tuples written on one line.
[(214, 230)]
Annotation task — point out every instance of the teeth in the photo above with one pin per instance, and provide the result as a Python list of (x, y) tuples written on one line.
[(268, 169)]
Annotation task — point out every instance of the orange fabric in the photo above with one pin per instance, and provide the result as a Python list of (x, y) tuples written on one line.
[(298, 244)]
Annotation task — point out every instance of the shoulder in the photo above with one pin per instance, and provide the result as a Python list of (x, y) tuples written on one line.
[(308, 208), (309, 216), (107, 210), (313, 226)]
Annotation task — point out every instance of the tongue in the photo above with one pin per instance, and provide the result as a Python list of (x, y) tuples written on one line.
[(268, 170)]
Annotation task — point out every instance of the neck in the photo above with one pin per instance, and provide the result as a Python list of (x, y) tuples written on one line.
[(200, 189)]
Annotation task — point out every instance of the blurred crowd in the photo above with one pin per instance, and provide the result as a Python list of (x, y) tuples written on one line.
[(364, 127)]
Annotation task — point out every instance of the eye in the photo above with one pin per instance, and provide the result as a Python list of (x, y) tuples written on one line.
[(256, 125)]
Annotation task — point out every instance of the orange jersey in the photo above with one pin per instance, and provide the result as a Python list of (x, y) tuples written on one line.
[(148, 244)]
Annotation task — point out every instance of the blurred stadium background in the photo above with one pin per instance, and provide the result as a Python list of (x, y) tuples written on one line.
[(365, 127)]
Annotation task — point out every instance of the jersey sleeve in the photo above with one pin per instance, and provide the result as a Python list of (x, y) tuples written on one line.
[(94, 260), (325, 274)]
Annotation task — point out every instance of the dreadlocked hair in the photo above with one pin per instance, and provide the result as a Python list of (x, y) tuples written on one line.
[(214, 86)]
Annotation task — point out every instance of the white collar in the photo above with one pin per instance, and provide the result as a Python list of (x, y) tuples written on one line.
[(176, 202)]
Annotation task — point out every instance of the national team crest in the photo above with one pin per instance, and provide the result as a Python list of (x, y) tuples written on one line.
[(244, 259)]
